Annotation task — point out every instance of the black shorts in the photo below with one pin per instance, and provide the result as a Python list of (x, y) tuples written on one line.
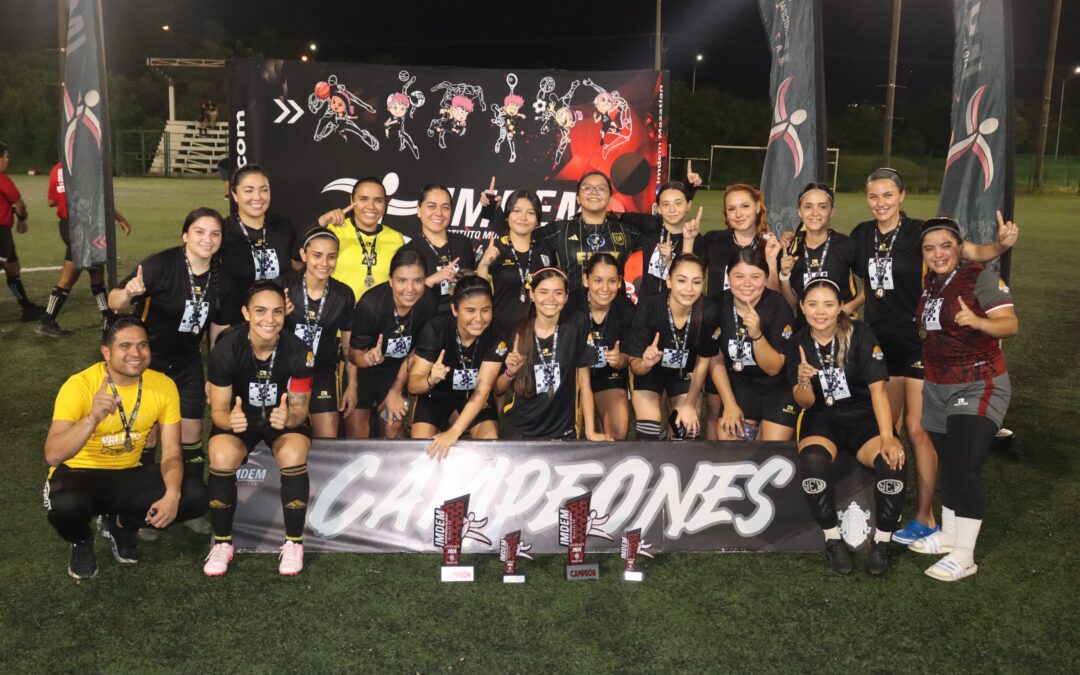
[(850, 434), (661, 379), (765, 401), (65, 236), (514, 435), (324, 391), (606, 378), (903, 351), (372, 386), (191, 383), (7, 246), (261, 431), (436, 409)]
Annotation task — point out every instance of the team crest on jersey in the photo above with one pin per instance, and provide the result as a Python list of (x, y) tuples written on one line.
[(1002, 287), (787, 331), (500, 349), (618, 239), (878, 354), (545, 259), (918, 365), (310, 359)]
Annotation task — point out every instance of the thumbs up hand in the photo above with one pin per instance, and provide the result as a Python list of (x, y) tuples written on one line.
[(237, 418), (279, 416), (614, 356), (966, 317)]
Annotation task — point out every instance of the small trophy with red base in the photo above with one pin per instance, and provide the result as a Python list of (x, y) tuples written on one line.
[(511, 547), (453, 524), (632, 547)]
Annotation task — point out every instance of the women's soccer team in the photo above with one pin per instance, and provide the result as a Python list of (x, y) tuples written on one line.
[(349, 330)]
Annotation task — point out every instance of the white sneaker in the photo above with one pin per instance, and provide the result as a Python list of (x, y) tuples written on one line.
[(217, 561), (292, 559)]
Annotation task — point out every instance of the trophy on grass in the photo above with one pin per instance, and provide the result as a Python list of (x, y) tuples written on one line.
[(576, 523), (511, 547), (453, 525), (632, 547)]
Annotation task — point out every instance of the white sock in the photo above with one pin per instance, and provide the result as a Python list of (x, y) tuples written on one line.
[(967, 532), (832, 533), (882, 537), (948, 526)]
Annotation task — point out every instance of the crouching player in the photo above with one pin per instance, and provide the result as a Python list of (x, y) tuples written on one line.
[(252, 367), (99, 427)]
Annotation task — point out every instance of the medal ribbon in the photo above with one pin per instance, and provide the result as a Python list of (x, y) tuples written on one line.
[(309, 335), (127, 423), (545, 365), (264, 385)]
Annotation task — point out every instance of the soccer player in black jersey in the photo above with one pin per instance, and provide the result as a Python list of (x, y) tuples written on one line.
[(179, 293), (323, 306), (592, 231), (889, 261), (509, 260), (670, 346), (604, 303), (257, 245), (548, 367), (816, 250), (386, 323), (260, 388), (445, 253), (755, 324), (453, 371), (837, 373)]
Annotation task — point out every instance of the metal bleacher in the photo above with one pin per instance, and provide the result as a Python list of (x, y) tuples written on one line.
[(182, 151)]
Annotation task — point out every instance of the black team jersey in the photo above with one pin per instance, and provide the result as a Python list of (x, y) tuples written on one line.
[(893, 262), (551, 412), (317, 322), (834, 260), (376, 315), (252, 255), (507, 271), (177, 315), (716, 249), (849, 384), (574, 242), (259, 384), (652, 317), (439, 335), (615, 327), (776, 328)]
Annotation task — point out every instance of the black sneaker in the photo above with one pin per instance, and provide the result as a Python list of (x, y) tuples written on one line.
[(124, 541), (49, 328), (878, 562), (839, 556), (32, 312), (83, 562)]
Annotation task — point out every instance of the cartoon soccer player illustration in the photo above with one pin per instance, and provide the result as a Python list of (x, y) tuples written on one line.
[(338, 106), (402, 103), (556, 113), (457, 102), (613, 115), (505, 118)]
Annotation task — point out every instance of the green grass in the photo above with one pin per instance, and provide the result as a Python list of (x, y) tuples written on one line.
[(696, 612)]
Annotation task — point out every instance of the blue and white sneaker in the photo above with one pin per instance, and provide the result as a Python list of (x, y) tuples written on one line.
[(913, 531)]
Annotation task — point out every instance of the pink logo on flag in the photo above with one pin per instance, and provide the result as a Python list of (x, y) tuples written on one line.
[(975, 142), (784, 126)]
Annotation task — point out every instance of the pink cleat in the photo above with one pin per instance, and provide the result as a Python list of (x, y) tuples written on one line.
[(217, 561), (292, 559)]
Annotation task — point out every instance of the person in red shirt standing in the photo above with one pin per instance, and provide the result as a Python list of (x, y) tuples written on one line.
[(70, 274), (11, 207)]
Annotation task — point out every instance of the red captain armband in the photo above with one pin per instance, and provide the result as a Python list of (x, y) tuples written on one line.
[(300, 386)]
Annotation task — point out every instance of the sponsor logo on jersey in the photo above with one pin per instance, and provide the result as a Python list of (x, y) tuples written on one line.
[(787, 331), (960, 403), (618, 239), (880, 355), (1002, 287), (310, 361), (324, 395), (501, 348)]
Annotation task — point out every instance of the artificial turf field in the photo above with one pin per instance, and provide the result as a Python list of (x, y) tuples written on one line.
[(703, 612)]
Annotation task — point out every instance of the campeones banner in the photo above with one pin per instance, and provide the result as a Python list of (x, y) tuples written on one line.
[(317, 127), (371, 496)]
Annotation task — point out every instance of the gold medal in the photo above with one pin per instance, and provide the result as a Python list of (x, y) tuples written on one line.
[(369, 281), (879, 293), (129, 445), (737, 366), (923, 332), (829, 400)]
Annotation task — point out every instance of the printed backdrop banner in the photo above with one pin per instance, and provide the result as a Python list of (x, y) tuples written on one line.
[(318, 127), (371, 496), (796, 147), (978, 178), (85, 148)]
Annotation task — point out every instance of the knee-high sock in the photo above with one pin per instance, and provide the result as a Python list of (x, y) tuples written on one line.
[(56, 300), (814, 465), (295, 490), (650, 430), (221, 489), (194, 459), (889, 492), (101, 298), (967, 533), (15, 285)]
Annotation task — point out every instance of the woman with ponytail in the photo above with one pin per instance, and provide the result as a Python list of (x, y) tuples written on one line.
[(548, 366), (178, 293), (454, 368), (837, 373), (668, 335)]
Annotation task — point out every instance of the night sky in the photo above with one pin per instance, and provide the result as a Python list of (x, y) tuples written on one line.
[(600, 34)]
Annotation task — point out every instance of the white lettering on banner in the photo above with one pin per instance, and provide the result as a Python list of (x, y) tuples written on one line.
[(546, 197), (366, 465), (504, 490), (76, 36), (241, 144), (972, 48), (568, 207), (464, 211)]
